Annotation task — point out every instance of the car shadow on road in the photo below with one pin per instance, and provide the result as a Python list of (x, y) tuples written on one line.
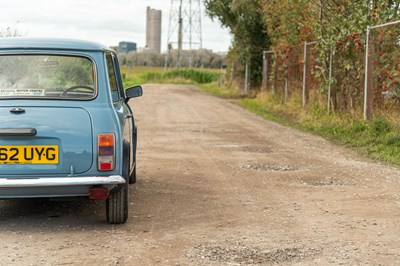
[(29, 213)]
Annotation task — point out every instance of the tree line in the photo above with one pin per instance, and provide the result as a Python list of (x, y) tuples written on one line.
[(336, 25), (202, 58)]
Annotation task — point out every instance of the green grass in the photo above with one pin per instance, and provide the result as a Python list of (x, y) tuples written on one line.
[(135, 75), (263, 110), (141, 75), (378, 139), (207, 79), (223, 92)]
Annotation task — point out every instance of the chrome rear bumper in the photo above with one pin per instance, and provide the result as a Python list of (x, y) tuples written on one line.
[(61, 181)]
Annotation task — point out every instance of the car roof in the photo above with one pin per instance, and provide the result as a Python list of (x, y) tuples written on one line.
[(16, 43)]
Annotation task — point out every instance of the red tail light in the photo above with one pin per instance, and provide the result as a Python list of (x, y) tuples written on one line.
[(106, 152)]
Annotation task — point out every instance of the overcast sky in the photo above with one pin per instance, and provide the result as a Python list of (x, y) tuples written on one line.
[(107, 21)]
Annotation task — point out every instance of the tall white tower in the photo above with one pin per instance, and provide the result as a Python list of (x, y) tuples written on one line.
[(185, 33), (153, 30)]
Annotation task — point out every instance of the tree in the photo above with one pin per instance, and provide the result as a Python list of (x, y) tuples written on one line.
[(245, 20), (337, 26), (342, 28), (290, 22)]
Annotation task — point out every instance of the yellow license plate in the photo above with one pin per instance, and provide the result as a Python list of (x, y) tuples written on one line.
[(42, 154)]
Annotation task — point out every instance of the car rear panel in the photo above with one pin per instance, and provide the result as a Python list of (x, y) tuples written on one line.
[(61, 142)]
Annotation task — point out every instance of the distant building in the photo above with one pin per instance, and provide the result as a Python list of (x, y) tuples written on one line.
[(126, 47), (153, 30)]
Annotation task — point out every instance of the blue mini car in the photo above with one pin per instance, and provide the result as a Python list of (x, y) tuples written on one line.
[(66, 129)]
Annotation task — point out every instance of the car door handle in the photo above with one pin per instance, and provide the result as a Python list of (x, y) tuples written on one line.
[(17, 110), (128, 116)]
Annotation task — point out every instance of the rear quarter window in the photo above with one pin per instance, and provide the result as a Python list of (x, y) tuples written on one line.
[(47, 76), (112, 78)]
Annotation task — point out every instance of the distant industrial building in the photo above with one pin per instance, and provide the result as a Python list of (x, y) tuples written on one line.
[(153, 30), (126, 47)]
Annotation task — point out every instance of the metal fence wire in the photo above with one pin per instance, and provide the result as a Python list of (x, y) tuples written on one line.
[(384, 65), (310, 83), (291, 71), (360, 76), (347, 77)]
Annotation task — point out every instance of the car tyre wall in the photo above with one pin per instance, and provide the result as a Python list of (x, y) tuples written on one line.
[(117, 206)]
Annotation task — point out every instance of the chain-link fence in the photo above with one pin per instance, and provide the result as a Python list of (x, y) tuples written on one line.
[(359, 76), (382, 83), (290, 71)]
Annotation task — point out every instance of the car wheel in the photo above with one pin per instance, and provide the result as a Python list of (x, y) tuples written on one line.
[(117, 206)]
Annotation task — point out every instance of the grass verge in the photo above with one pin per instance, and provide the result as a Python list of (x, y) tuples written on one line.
[(216, 90), (141, 75), (378, 139)]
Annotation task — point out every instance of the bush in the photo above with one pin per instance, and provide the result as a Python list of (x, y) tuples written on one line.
[(200, 77)]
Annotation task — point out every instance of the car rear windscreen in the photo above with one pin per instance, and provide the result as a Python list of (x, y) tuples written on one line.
[(47, 76)]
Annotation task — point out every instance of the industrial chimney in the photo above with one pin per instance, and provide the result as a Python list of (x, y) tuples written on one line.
[(153, 30)]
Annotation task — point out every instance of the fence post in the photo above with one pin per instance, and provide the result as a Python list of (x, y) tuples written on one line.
[(330, 79), (246, 79), (275, 65), (368, 80), (220, 83), (264, 72), (286, 89), (303, 98)]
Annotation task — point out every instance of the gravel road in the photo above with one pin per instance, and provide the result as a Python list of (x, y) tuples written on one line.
[(218, 185)]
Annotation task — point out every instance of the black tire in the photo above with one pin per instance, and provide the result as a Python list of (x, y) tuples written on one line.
[(117, 206)]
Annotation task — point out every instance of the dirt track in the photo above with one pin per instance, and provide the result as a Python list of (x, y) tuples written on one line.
[(220, 186)]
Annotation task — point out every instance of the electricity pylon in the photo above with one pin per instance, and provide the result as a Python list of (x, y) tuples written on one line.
[(184, 32)]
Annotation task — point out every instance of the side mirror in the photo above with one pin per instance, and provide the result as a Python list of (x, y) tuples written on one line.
[(133, 92)]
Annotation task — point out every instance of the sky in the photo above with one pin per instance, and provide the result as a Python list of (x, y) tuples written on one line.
[(107, 22)]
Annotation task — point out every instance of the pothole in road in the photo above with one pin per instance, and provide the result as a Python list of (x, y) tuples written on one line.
[(243, 255), (266, 167), (224, 145), (325, 181), (215, 130), (257, 149), (243, 148)]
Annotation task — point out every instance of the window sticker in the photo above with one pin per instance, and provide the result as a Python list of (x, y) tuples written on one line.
[(22, 92)]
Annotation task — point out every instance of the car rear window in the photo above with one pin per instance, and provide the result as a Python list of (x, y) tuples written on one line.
[(47, 76)]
